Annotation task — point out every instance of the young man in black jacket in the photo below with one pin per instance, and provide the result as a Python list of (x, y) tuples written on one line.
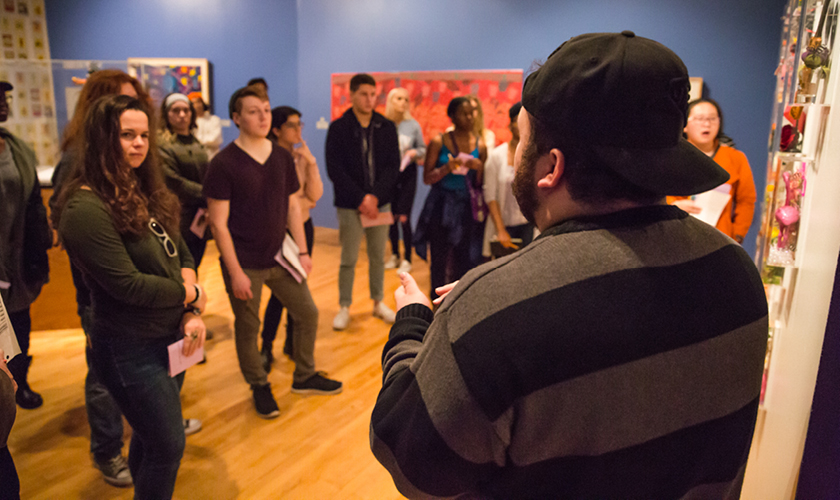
[(363, 160)]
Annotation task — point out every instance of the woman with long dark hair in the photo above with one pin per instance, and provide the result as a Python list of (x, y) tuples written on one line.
[(119, 224), (104, 417), (452, 223)]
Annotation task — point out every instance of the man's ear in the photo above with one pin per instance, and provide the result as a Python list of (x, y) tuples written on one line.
[(235, 117), (556, 164)]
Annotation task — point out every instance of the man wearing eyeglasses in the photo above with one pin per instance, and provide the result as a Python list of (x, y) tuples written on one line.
[(26, 237)]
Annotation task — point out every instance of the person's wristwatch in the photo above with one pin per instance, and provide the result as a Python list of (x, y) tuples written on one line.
[(193, 310)]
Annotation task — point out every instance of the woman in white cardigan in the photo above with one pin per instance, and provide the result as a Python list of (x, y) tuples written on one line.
[(506, 220)]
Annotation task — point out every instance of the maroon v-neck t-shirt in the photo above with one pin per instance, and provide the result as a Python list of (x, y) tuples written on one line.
[(259, 200)]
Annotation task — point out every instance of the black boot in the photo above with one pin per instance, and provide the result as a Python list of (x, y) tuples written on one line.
[(25, 397)]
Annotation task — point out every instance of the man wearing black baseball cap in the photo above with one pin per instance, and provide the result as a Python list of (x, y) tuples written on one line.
[(620, 355)]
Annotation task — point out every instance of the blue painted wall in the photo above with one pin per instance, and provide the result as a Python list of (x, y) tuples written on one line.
[(732, 45), (241, 39)]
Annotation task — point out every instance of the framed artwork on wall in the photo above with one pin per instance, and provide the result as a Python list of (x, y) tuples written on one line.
[(696, 90), (161, 76), (431, 91)]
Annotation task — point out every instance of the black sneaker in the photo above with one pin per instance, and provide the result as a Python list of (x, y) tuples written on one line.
[(114, 471), (267, 358), (264, 401), (317, 384)]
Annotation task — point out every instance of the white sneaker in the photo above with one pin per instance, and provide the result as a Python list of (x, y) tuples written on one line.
[(383, 312), (405, 266), (342, 319), (191, 426), (392, 262)]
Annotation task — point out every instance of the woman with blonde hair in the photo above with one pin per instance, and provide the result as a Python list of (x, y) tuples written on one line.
[(412, 151), (480, 130)]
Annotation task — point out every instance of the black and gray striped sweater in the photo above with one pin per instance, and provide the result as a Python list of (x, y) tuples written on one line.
[(617, 356)]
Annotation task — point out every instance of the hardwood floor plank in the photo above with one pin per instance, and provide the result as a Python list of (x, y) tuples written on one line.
[(317, 448)]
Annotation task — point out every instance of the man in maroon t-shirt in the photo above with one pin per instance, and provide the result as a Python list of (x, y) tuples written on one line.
[(250, 187)]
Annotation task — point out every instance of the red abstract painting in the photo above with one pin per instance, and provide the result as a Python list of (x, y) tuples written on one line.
[(431, 91)]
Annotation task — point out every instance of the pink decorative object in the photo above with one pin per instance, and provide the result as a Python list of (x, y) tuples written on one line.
[(788, 214)]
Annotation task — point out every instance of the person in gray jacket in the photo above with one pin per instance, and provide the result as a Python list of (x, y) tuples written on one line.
[(26, 237)]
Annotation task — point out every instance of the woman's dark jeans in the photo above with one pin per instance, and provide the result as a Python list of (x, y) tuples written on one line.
[(135, 371)]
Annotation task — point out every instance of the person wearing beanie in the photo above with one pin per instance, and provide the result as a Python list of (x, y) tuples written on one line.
[(184, 160)]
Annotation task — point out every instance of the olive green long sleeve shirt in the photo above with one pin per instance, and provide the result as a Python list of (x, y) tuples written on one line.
[(136, 288)]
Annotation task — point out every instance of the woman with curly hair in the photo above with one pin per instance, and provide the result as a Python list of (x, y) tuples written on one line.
[(104, 417), (119, 224)]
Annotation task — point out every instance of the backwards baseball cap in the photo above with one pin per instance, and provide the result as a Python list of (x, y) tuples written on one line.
[(6, 86), (625, 99)]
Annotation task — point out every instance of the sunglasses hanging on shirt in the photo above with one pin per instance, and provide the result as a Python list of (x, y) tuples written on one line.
[(162, 236)]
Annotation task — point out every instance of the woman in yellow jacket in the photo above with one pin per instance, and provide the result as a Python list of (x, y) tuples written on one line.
[(704, 130)]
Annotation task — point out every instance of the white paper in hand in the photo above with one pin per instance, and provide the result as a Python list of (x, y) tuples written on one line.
[(406, 161), (712, 203), (178, 362), (8, 339), (289, 258)]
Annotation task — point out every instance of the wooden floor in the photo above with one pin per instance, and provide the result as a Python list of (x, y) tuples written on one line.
[(317, 449)]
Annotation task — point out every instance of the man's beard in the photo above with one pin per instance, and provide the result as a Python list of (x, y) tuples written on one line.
[(524, 185)]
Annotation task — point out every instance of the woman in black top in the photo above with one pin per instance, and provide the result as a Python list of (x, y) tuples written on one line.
[(119, 225)]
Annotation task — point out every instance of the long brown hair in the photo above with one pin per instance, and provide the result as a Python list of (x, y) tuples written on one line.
[(99, 83), (132, 194)]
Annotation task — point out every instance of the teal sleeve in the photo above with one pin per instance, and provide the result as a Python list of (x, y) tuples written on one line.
[(93, 243)]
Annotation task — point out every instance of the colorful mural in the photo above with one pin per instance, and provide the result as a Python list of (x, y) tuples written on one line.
[(431, 91)]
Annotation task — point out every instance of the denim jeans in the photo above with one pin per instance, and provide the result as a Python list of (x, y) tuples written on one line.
[(135, 372), (350, 233), (104, 416)]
